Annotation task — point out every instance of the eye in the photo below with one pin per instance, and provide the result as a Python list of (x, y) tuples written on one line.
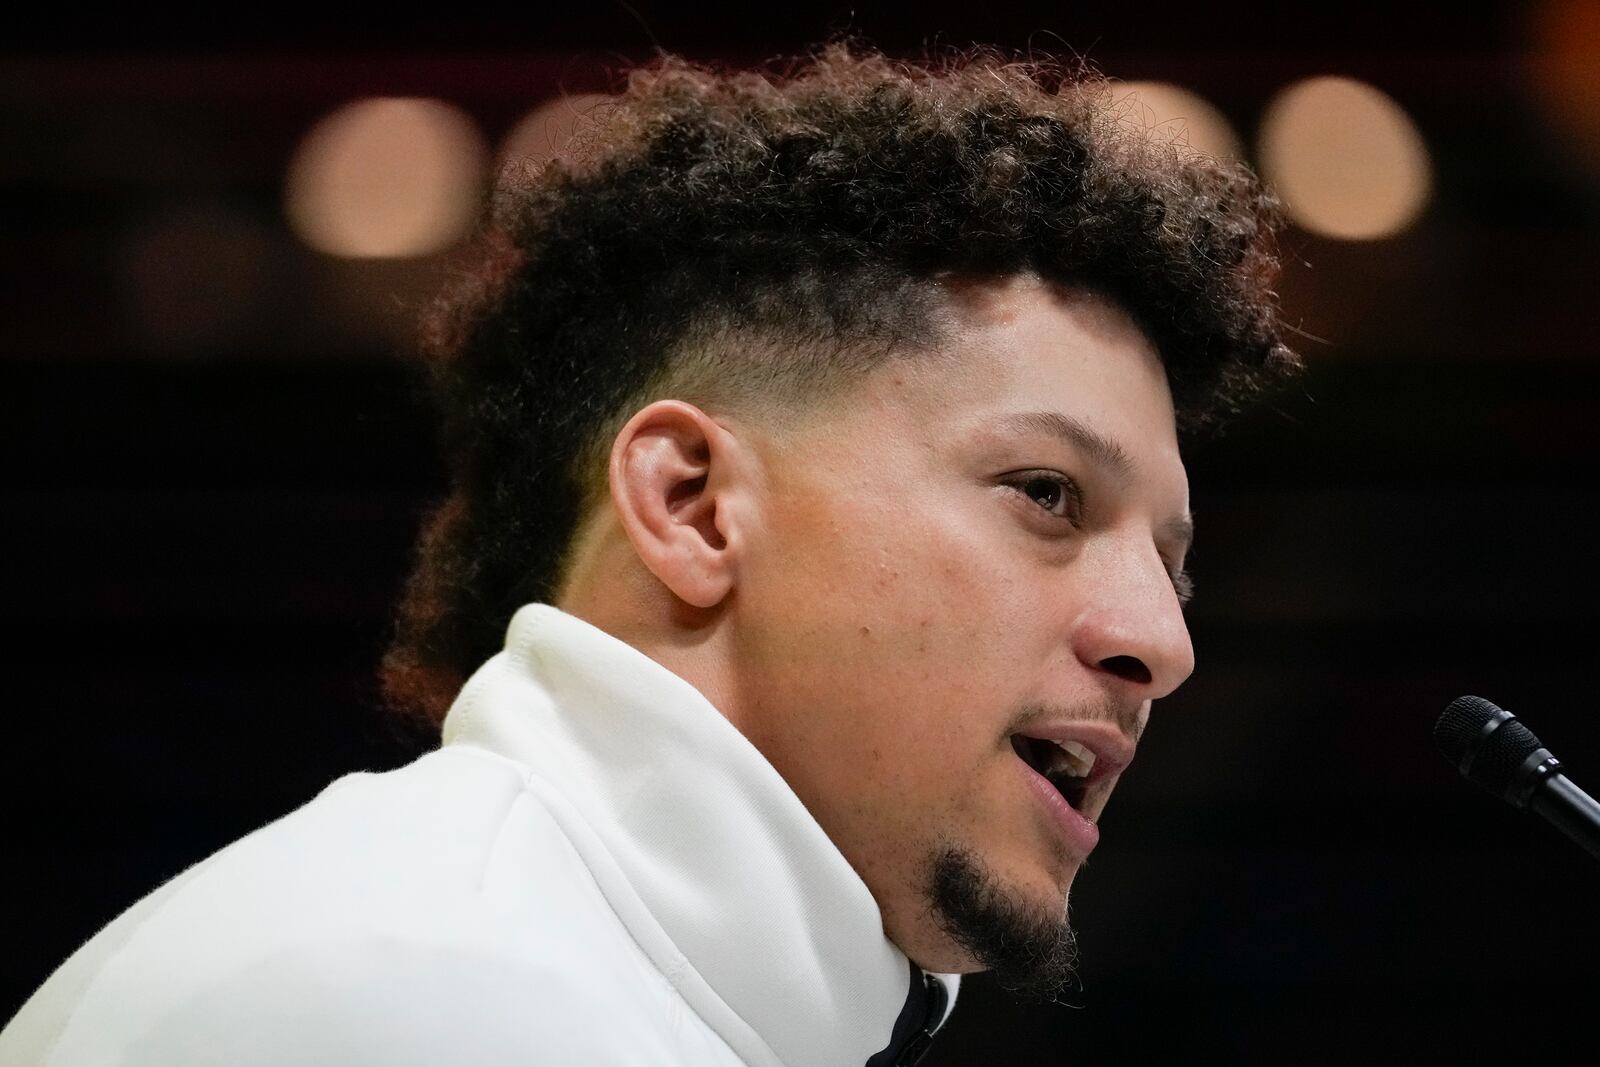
[(1055, 493)]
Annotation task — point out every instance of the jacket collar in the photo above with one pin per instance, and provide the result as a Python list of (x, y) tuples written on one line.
[(769, 932)]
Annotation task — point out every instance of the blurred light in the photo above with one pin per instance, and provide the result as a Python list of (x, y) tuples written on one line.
[(386, 177), (1566, 68), (1178, 116), (545, 132), (195, 279), (372, 305), (1345, 158)]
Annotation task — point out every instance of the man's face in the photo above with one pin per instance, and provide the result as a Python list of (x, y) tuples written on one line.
[(946, 564)]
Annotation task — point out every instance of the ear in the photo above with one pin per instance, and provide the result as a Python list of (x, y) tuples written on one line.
[(680, 483)]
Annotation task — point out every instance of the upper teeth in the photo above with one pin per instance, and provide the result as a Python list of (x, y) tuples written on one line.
[(1080, 760)]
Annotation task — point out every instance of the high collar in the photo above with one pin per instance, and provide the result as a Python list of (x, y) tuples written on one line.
[(718, 849)]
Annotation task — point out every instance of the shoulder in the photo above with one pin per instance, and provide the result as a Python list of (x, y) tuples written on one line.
[(372, 999), (367, 999), (427, 915)]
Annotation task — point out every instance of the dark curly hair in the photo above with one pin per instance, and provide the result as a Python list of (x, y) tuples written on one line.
[(763, 240)]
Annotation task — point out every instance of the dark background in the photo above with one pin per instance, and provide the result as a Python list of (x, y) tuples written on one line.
[(203, 528)]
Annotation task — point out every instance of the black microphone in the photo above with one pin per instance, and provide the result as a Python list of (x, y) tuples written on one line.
[(1489, 746)]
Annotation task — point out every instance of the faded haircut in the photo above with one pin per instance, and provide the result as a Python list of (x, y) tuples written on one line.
[(761, 240)]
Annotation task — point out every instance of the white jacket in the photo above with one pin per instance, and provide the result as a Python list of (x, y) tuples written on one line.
[(595, 868)]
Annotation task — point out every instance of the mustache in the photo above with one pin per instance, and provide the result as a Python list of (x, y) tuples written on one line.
[(1130, 718)]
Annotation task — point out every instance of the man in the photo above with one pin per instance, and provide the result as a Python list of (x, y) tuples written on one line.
[(815, 549)]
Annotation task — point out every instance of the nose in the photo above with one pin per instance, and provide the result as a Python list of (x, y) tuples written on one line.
[(1131, 628)]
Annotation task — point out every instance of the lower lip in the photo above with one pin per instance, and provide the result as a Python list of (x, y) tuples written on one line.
[(1080, 833)]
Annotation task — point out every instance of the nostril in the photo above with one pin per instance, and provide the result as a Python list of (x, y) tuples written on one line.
[(1128, 668)]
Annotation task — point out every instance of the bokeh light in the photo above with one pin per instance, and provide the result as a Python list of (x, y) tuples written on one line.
[(545, 132), (386, 177), (1566, 74), (1346, 159), (1178, 116)]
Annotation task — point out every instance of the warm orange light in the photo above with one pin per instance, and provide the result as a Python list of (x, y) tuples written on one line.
[(386, 177), (1178, 116), (546, 132), (1566, 73), (1345, 158)]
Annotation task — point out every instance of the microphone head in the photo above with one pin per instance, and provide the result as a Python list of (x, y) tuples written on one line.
[(1486, 743), (1462, 724)]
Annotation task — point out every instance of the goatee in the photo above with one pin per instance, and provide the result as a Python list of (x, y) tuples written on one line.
[(1033, 954)]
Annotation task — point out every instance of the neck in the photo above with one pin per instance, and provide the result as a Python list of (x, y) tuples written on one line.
[(612, 591)]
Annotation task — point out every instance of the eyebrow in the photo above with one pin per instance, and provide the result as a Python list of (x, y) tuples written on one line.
[(1101, 449)]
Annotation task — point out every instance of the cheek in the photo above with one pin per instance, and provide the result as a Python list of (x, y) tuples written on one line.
[(894, 627), (893, 573)]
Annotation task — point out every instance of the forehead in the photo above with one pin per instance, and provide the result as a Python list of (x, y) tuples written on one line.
[(1025, 377), (1024, 346)]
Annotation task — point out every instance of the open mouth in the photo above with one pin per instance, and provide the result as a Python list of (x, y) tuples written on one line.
[(1066, 765)]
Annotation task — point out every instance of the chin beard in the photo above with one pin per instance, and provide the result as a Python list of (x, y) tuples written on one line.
[(1031, 953)]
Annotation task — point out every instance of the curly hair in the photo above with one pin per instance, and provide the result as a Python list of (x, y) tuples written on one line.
[(763, 240)]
